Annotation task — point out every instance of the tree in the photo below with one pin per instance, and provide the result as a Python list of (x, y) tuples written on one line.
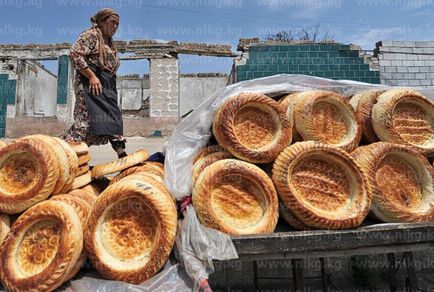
[(309, 34)]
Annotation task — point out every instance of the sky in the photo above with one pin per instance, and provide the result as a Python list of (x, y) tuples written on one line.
[(361, 22)]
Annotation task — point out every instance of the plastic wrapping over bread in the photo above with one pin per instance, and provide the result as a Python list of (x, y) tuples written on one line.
[(194, 131)]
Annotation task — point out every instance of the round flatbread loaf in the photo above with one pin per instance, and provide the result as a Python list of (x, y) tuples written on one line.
[(83, 159), (236, 197), (5, 224), (120, 164), (85, 195), (29, 171), (363, 103), (252, 127), (205, 161), (325, 117), (131, 231), (79, 147), (82, 169), (145, 167), (206, 151), (73, 164), (82, 180), (322, 185), (42, 248), (3, 144), (62, 158), (401, 180), (405, 117)]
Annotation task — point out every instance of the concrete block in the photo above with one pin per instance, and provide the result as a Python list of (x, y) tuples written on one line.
[(428, 63), (412, 57), (428, 51), (432, 69), (396, 63), (407, 63), (424, 69), (421, 63), (387, 75), (421, 44), (426, 82), (413, 69), (385, 63), (418, 50), (403, 82), (401, 69), (397, 76), (414, 83), (424, 57), (390, 82), (409, 76), (132, 99), (420, 76), (392, 69), (386, 43)]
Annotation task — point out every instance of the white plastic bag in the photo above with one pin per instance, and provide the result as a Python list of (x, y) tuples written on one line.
[(197, 246)]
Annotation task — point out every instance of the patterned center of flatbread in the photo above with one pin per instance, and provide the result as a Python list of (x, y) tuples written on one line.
[(330, 126), (323, 184), (18, 173), (254, 128), (399, 182), (39, 247), (130, 229), (237, 201), (412, 123)]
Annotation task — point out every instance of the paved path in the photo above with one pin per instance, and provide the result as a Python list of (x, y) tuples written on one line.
[(105, 153)]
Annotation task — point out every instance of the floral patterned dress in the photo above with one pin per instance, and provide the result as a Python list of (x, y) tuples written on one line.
[(85, 52)]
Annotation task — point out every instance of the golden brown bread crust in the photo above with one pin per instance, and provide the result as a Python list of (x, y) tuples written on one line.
[(82, 180), (85, 195), (130, 231), (291, 219), (406, 117), (205, 161), (120, 164), (81, 207), (252, 127), (144, 167), (83, 159), (91, 189), (5, 224), (82, 169), (206, 151), (79, 147), (325, 117), (28, 174), (288, 102), (236, 197), (363, 103), (3, 144), (401, 180), (322, 185), (62, 157), (73, 164), (42, 247)]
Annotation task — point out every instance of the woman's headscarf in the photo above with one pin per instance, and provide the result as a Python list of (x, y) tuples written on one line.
[(96, 21)]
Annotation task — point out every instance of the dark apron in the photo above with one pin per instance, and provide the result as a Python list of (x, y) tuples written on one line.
[(105, 117)]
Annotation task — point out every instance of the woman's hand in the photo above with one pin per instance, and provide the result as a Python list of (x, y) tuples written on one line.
[(95, 87)]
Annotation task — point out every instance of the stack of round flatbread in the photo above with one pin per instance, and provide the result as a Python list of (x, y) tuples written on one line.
[(44, 247), (83, 175), (132, 228), (33, 168)]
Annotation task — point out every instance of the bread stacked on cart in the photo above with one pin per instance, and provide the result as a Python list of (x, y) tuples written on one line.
[(333, 161), (64, 215)]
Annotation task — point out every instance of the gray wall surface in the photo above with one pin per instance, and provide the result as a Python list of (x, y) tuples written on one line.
[(406, 63), (195, 89)]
